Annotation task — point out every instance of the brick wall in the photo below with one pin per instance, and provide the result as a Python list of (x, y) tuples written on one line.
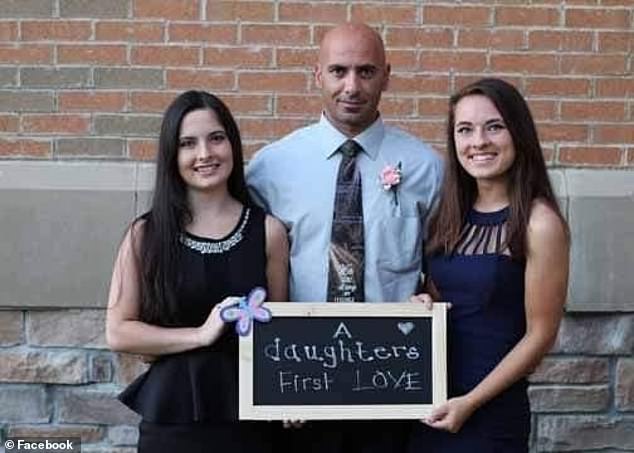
[(88, 79)]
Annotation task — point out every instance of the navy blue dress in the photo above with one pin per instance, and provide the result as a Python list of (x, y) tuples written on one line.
[(487, 319)]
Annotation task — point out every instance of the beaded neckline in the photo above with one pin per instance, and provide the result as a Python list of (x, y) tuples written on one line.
[(206, 246)]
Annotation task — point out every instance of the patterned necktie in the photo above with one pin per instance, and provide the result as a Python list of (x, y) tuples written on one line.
[(346, 256)]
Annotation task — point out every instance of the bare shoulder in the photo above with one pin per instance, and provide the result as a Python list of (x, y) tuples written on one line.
[(133, 235), (274, 228), (138, 226), (545, 226)]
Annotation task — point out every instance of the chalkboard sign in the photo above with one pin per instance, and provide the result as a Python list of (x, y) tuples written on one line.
[(344, 361)]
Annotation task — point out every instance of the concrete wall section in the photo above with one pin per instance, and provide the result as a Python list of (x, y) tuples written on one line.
[(61, 223), (601, 216)]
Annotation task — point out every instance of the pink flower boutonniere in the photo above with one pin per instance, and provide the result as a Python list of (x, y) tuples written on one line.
[(390, 178)]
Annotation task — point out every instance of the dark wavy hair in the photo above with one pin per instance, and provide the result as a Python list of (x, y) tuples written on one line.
[(527, 177), (170, 212)]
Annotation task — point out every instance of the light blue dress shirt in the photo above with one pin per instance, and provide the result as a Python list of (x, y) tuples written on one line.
[(295, 178)]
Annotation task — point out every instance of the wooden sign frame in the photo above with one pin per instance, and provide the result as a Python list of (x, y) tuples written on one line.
[(250, 411)]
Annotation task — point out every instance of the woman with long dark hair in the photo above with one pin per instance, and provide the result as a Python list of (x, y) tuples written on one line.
[(201, 245), (498, 251)]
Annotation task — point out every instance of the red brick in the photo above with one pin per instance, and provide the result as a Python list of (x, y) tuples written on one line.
[(433, 107), (491, 39), (249, 148), (270, 128), (616, 41), (397, 107), (173, 9), (524, 63), (304, 58), (248, 104), (593, 110), (165, 55), (25, 53), (461, 81), (614, 134), (419, 84), (61, 124), (452, 61), (318, 33), (9, 123), (108, 101), (429, 131), (549, 154), (403, 60), (239, 57), (315, 12), (200, 79), (543, 110), (613, 87), (558, 132), (56, 30), (158, 101), (244, 11), (453, 15), (419, 37), (526, 16), (150, 101), (560, 40), (616, 2), (557, 87), (440, 147), (296, 104), (26, 148), (597, 18), (295, 35), (104, 54), (593, 64), (211, 33), (272, 81), (142, 149), (132, 31), (384, 13), (590, 155), (8, 31)]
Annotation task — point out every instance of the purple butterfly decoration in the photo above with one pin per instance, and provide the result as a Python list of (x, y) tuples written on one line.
[(246, 311)]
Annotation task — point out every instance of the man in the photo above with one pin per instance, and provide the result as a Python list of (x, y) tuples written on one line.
[(354, 195)]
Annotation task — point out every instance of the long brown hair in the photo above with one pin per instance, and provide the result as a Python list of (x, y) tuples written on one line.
[(527, 177), (170, 211)]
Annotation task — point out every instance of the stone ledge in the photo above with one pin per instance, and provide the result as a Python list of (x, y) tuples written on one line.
[(568, 398), (571, 370), (583, 433)]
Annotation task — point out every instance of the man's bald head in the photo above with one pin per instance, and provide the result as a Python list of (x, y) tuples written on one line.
[(352, 73), (353, 31)]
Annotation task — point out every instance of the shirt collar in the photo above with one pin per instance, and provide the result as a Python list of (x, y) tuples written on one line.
[(370, 139)]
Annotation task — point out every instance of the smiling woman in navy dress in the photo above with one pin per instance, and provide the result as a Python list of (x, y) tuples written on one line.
[(201, 243), (498, 251)]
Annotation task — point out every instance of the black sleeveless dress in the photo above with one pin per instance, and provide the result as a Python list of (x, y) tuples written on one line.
[(189, 401), (487, 319)]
